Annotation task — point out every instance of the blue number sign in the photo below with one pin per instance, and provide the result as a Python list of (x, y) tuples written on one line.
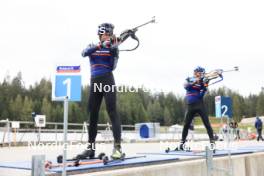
[(223, 107), (67, 82)]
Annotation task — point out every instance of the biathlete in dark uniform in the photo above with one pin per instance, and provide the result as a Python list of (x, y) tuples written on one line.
[(196, 88), (103, 59)]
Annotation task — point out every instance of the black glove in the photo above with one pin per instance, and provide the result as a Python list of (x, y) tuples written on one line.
[(125, 34), (205, 80)]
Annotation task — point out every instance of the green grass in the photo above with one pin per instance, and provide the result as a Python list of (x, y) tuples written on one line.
[(214, 121)]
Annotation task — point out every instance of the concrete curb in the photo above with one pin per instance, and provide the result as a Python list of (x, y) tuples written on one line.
[(243, 165)]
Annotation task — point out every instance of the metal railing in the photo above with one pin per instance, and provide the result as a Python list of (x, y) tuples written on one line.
[(56, 128)]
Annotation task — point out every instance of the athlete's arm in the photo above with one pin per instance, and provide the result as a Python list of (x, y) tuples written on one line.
[(90, 50), (190, 81), (203, 89), (124, 35)]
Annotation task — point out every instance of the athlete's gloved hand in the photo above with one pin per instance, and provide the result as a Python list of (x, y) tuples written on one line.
[(125, 34), (91, 48), (205, 81), (114, 40), (193, 80), (91, 45), (190, 80)]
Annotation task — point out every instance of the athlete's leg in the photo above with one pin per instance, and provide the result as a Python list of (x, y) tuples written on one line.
[(94, 103), (202, 112), (110, 101), (189, 115)]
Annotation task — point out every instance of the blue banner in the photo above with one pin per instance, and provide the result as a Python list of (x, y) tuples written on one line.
[(68, 69)]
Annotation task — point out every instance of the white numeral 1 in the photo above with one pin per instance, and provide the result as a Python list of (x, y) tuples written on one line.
[(67, 82)]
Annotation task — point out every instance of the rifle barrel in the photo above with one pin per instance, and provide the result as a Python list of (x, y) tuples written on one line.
[(151, 21)]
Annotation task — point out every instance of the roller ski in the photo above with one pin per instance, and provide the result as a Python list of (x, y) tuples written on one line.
[(81, 157), (89, 153), (181, 147), (117, 155), (76, 163), (106, 160)]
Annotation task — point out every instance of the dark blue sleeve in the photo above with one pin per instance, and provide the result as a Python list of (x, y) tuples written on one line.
[(203, 90), (202, 93), (114, 51), (89, 50), (188, 84)]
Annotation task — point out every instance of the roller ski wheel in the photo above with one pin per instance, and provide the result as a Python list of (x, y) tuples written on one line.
[(105, 160), (168, 150), (213, 146)]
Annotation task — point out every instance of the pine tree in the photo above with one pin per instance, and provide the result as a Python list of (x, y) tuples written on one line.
[(16, 107), (260, 104), (142, 114), (46, 109), (167, 117), (27, 109), (155, 112)]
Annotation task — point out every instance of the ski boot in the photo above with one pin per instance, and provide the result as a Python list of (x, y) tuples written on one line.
[(89, 153), (180, 147), (117, 152)]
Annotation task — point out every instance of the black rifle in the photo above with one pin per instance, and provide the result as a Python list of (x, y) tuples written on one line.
[(131, 33)]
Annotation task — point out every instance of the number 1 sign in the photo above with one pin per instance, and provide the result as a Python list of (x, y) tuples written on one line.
[(67, 82)]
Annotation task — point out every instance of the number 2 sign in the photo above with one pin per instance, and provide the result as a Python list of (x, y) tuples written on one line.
[(223, 107), (67, 82)]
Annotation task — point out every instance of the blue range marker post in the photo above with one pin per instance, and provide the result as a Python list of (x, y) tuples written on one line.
[(223, 108), (66, 87)]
